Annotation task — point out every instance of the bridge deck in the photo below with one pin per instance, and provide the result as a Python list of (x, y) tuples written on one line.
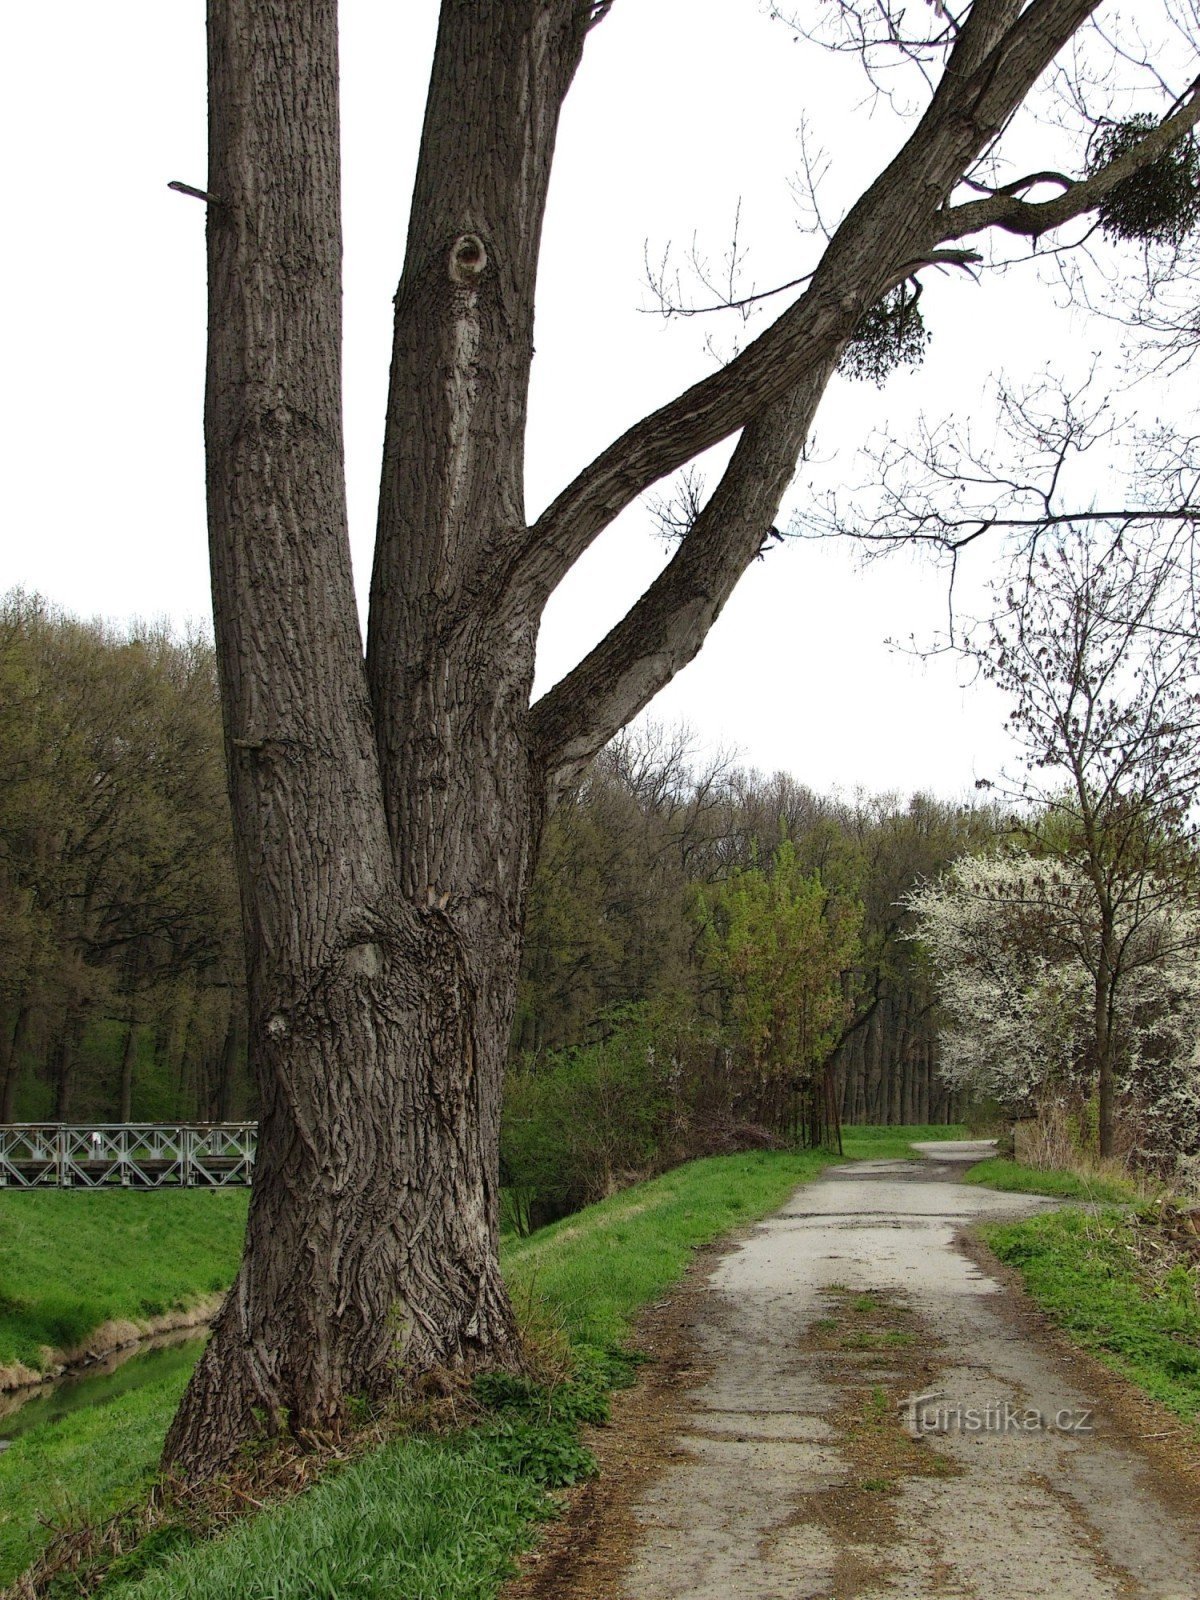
[(126, 1155)]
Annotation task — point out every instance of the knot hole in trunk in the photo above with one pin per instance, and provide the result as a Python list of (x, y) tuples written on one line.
[(468, 258)]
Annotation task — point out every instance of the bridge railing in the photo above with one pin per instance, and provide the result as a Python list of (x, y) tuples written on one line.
[(150, 1155)]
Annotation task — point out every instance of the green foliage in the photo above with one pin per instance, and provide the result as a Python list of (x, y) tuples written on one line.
[(118, 914), (606, 922), (779, 946), (1158, 204), (579, 1122), (547, 1452), (70, 1261), (111, 745), (892, 334), (534, 1429), (1084, 1271), (623, 864)]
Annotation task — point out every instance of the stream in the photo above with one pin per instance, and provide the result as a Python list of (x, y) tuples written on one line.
[(22, 1410)]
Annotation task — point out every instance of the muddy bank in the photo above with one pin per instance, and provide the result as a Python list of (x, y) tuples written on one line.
[(115, 1338)]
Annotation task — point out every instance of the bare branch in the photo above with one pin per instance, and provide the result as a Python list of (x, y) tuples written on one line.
[(668, 308), (667, 626), (999, 54), (676, 514)]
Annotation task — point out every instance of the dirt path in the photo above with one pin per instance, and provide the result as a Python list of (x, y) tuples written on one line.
[(773, 1453)]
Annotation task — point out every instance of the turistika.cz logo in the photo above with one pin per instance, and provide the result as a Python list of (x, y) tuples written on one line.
[(933, 1413)]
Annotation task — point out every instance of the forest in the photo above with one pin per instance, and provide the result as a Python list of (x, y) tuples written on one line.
[(715, 959), (756, 923)]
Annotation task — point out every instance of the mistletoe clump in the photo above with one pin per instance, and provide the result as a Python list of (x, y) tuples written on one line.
[(1160, 204), (892, 334)]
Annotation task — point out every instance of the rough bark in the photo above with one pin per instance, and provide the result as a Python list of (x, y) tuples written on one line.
[(371, 1242)]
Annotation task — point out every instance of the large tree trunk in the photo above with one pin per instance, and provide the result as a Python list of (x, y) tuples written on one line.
[(385, 836), (387, 812)]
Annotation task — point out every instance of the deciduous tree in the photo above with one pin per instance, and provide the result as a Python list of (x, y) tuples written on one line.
[(1093, 647), (779, 946), (388, 805), (1016, 941)]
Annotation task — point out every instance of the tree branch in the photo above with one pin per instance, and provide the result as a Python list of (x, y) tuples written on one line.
[(999, 55), (667, 626), (1035, 218), (954, 533)]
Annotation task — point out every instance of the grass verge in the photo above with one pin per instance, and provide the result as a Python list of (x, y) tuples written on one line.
[(1117, 1284), (88, 1466), (895, 1144), (70, 1262), (425, 1516), (1014, 1177)]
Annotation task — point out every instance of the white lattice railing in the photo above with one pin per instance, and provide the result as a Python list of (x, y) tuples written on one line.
[(128, 1155)]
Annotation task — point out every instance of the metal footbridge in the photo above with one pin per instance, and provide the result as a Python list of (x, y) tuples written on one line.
[(97, 1155)]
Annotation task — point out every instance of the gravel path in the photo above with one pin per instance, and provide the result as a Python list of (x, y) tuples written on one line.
[(783, 1457)]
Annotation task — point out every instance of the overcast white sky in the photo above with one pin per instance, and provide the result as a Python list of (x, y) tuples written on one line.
[(681, 108)]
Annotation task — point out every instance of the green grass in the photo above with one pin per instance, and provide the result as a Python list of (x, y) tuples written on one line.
[(596, 1269), (1083, 1271), (423, 1517), (895, 1144), (91, 1464), (1000, 1173), (71, 1261), (591, 1273), (419, 1518)]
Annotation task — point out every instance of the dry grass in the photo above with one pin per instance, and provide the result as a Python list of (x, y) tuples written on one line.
[(1059, 1140)]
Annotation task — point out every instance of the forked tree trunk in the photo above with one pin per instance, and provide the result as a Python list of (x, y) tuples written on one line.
[(385, 848), (387, 812)]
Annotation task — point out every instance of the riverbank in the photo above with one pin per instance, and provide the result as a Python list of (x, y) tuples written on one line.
[(581, 1282), (84, 1274), (586, 1277)]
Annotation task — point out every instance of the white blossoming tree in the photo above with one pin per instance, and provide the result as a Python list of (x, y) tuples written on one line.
[(1015, 942)]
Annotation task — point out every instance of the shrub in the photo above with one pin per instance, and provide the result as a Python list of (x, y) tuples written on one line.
[(579, 1123)]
